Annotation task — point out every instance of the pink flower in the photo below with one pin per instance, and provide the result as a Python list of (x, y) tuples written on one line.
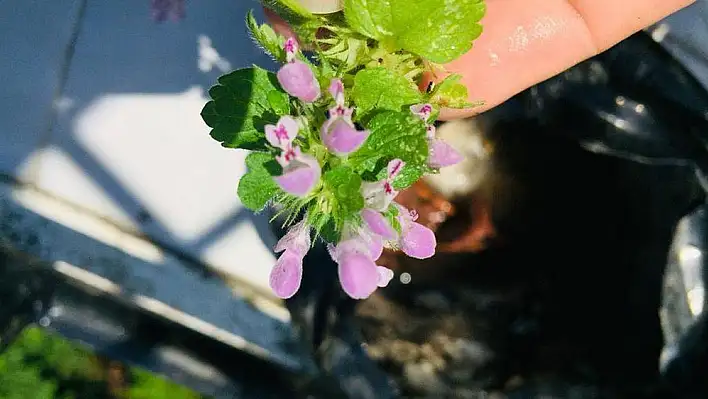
[(341, 137), (336, 89), (338, 133), (377, 223), (422, 110), (301, 172), (358, 274), (297, 238), (441, 154), (286, 276), (355, 256), (416, 241), (283, 133), (385, 276), (296, 77), (378, 195)]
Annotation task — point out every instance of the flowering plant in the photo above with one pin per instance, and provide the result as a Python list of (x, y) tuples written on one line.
[(337, 132)]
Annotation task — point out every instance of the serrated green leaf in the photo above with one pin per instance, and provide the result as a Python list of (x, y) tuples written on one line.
[(394, 135), (240, 108), (371, 18), (266, 38), (439, 30), (381, 89), (257, 186), (345, 186), (451, 93), (290, 10)]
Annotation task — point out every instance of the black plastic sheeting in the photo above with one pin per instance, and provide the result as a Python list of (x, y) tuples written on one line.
[(633, 102)]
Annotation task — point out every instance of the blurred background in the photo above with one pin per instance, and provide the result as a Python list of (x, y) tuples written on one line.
[(108, 175)]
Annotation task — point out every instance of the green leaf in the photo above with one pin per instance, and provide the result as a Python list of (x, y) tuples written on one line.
[(257, 186), (306, 29), (408, 176), (345, 186), (391, 215), (394, 135), (266, 38), (329, 232), (439, 30), (241, 107), (290, 10), (451, 93), (371, 18), (379, 88), (279, 102)]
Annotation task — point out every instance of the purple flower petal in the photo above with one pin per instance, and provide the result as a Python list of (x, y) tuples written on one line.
[(350, 245), (297, 79), (300, 177), (283, 133), (286, 276), (385, 276), (442, 154), (291, 47), (336, 89), (375, 244), (377, 223), (418, 241), (394, 167), (288, 155), (297, 239), (357, 274), (341, 137), (422, 110)]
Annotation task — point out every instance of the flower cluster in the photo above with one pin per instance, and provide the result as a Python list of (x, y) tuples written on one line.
[(335, 134), (363, 239)]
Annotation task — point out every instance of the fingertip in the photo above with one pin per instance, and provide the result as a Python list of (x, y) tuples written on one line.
[(447, 114)]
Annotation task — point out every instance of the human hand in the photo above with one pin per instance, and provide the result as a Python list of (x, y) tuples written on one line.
[(528, 41)]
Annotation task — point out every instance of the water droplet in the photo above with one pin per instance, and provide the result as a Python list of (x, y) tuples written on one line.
[(405, 278)]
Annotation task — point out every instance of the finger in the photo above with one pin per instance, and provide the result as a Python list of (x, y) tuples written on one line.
[(610, 21), (278, 24), (527, 41)]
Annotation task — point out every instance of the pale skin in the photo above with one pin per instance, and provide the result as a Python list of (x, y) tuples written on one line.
[(527, 41)]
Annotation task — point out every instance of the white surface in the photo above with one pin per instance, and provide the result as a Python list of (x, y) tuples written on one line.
[(130, 145)]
